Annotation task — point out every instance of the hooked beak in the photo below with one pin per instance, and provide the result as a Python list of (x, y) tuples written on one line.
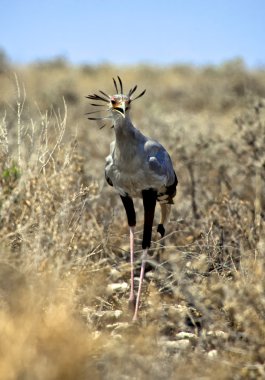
[(120, 107)]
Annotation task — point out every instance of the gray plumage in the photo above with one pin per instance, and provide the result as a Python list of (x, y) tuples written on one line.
[(136, 162), (137, 166)]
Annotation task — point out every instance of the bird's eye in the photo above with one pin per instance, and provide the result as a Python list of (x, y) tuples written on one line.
[(113, 101)]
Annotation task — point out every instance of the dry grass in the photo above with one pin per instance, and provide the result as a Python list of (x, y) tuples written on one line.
[(64, 244)]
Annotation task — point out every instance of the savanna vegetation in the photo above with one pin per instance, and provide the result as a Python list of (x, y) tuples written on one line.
[(64, 255)]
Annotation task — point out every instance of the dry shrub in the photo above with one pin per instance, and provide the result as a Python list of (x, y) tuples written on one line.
[(64, 244), (44, 339)]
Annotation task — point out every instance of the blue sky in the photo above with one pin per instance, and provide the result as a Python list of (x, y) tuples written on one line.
[(134, 31)]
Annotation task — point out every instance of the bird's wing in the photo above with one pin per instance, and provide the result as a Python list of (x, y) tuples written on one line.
[(159, 161), (109, 162)]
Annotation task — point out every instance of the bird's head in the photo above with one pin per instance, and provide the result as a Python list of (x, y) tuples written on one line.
[(118, 104)]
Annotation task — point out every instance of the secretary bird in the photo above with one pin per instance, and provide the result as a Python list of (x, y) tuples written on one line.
[(137, 166)]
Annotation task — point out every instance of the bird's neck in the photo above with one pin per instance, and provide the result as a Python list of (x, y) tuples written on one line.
[(127, 139), (124, 130)]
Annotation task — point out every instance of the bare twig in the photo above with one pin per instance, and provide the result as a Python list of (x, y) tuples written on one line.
[(61, 123), (21, 98)]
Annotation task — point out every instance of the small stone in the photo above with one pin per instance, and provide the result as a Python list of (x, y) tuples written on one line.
[(212, 354), (117, 287), (107, 316), (219, 334), (186, 335), (174, 346), (118, 313)]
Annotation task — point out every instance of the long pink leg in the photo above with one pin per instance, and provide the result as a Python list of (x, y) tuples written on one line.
[(140, 284), (131, 299)]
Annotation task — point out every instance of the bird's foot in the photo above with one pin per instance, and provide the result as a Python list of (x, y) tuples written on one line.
[(131, 303)]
